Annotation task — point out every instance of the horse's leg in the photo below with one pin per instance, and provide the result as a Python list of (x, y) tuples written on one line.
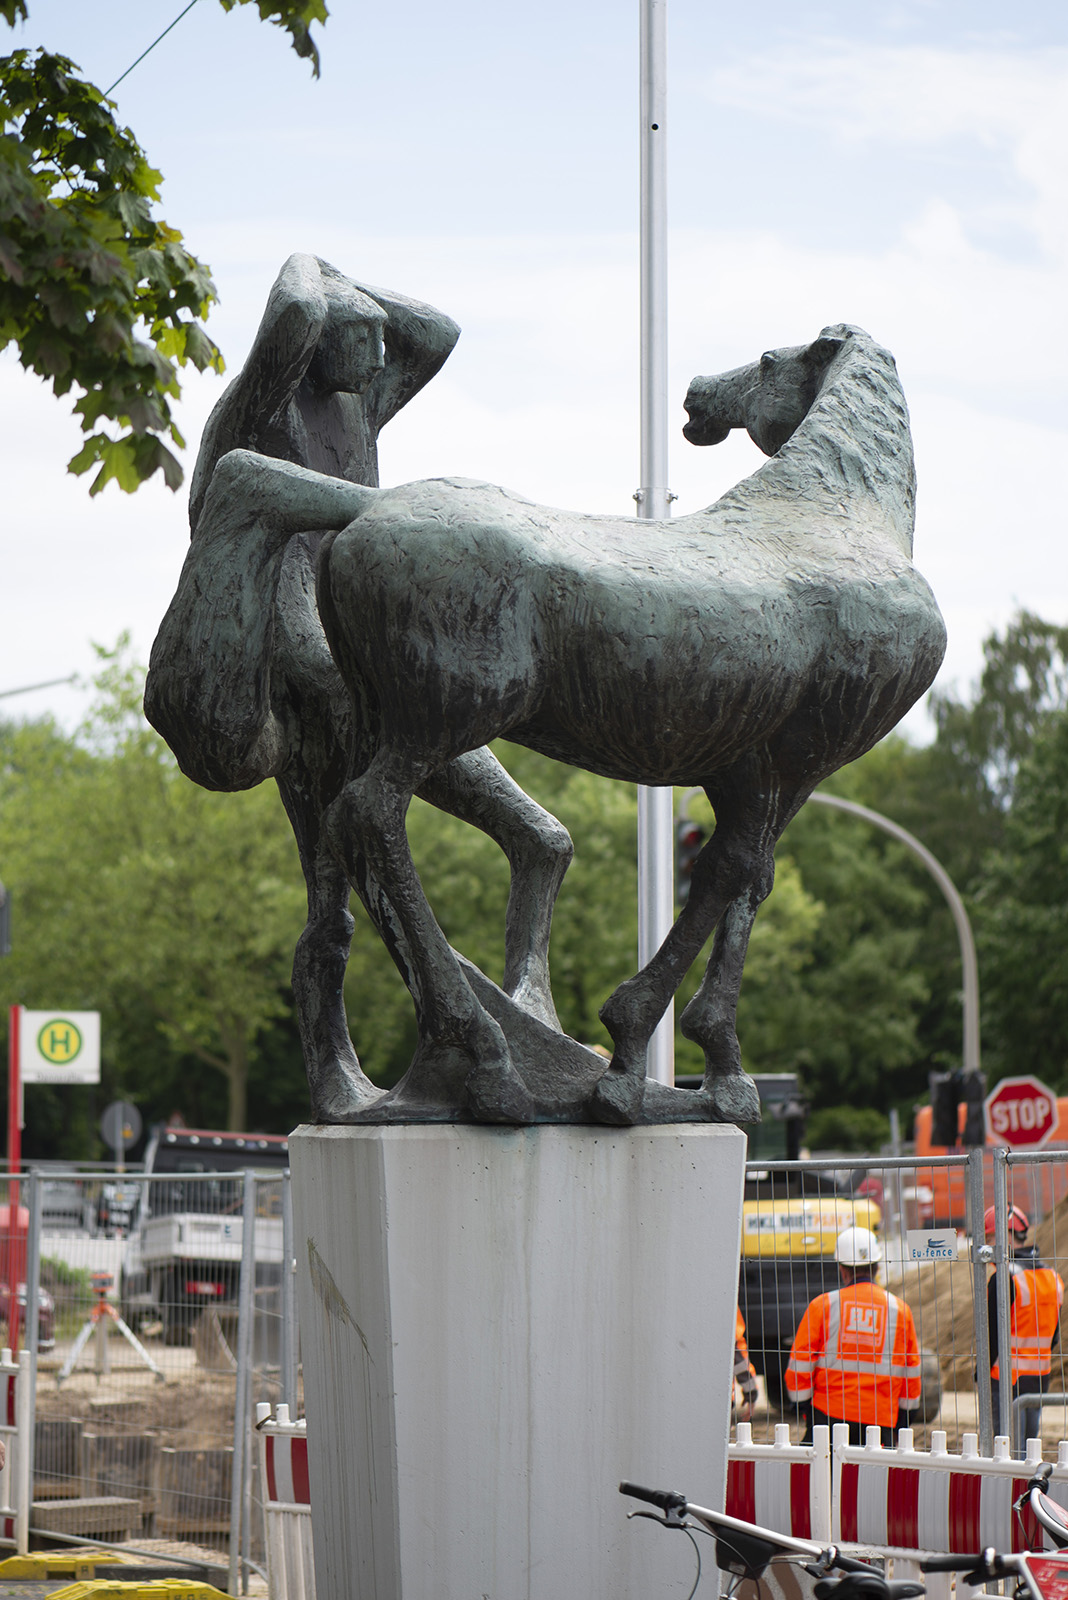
[(711, 1016), (477, 789), (752, 807), (710, 1019), (365, 829), (721, 872)]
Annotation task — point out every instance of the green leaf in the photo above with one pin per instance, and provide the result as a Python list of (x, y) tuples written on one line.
[(296, 16)]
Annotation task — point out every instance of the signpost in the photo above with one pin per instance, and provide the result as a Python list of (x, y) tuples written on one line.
[(1020, 1113), (47, 1047), (120, 1127)]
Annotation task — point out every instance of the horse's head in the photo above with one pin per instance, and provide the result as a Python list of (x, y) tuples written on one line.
[(769, 398)]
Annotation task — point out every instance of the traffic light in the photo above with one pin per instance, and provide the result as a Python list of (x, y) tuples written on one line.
[(689, 839), (945, 1093), (973, 1093), (948, 1091)]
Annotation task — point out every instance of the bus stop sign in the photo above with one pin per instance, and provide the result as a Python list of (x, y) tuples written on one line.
[(1020, 1112)]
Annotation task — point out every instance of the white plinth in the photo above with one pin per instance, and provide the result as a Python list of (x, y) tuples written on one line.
[(497, 1326)]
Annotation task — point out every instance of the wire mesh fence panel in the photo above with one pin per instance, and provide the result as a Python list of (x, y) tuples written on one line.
[(1036, 1194), (138, 1350), (793, 1213)]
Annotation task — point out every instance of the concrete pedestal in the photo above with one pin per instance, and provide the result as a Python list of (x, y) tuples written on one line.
[(497, 1326)]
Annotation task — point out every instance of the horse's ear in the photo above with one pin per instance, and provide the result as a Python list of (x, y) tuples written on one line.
[(827, 346)]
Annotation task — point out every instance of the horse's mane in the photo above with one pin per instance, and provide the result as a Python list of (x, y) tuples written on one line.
[(853, 442)]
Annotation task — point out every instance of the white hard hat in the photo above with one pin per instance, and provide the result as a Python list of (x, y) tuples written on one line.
[(857, 1247)]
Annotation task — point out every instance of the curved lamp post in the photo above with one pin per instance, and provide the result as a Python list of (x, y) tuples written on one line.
[(969, 965)]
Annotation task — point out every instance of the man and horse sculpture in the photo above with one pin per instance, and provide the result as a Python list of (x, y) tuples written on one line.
[(751, 649)]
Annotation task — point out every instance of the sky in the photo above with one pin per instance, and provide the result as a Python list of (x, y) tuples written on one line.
[(903, 167)]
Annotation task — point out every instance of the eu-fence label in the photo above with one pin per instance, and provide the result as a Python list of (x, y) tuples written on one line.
[(931, 1244)]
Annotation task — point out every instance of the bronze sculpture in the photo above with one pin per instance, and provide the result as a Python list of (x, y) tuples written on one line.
[(751, 648)]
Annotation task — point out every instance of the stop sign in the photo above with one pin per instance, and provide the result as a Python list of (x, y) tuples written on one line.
[(1020, 1112)]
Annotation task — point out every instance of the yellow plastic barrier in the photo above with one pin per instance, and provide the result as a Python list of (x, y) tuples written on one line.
[(48, 1564), (153, 1589)]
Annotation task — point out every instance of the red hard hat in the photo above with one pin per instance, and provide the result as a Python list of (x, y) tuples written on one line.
[(1018, 1221)]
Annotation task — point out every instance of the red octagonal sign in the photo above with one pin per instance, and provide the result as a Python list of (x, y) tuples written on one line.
[(1021, 1112)]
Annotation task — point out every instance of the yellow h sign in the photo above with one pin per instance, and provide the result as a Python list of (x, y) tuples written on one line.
[(59, 1041)]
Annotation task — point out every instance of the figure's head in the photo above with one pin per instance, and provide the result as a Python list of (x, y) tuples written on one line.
[(350, 350)]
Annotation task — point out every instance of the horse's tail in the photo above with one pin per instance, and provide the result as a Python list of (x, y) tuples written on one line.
[(209, 681)]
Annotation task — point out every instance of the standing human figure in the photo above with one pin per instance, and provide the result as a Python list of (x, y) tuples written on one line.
[(856, 1357), (241, 681), (1036, 1294)]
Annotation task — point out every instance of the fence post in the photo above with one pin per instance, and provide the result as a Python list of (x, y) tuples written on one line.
[(1001, 1264), (290, 1334), (27, 1380), (242, 1383), (976, 1211)]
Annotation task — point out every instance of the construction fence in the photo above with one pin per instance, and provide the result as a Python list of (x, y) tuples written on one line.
[(929, 1217), (166, 1311)]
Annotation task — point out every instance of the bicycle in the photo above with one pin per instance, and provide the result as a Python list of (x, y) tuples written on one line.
[(745, 1550)]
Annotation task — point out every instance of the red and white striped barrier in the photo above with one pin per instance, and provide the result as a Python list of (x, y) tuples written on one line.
[(898, 1504), (16, 1393), (782, 1485), (286, 1504), (916, 1500)]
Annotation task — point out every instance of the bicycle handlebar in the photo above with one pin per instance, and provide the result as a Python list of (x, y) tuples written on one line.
[(666, 1499), (988, 1562)]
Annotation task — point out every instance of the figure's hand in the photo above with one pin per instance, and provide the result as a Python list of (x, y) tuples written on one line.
[(744, 1412)]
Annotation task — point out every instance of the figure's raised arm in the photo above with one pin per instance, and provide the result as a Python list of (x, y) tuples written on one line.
[(281, 353), (286, 338), (418, 340)]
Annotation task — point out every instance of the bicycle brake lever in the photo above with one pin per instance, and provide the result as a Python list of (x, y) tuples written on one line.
[(671, 1520)]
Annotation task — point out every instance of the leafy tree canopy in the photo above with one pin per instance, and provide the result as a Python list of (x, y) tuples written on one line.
[(1024, 681), (172, 910), (1023, 919), (95, 291)]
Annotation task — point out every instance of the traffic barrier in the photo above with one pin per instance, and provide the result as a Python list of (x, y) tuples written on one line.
[(286, 1504), (892, 1504), (910, 1500), (904, 1504), (15, 1399), (782, 1486)]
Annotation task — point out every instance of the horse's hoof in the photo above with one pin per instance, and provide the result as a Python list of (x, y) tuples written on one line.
[(341, 1095), (734, 1098), (496, 1094), (617, 1097)]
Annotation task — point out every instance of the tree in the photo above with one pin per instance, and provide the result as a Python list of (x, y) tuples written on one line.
[(94, 290), (1023, 918), (851, 1025), (144, 896)]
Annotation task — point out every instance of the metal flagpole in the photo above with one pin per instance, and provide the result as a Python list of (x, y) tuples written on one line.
[(656, 896)]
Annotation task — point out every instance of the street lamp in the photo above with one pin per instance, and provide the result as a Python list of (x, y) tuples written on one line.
[(969, 964)]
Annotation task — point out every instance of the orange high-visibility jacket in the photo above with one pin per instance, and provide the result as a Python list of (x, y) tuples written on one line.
[(1036, 1310), (856, 1356)]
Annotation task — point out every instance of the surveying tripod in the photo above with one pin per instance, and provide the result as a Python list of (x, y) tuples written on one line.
[(101, 1314)]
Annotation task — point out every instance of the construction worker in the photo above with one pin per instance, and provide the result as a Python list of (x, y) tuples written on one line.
[(1035, 1296), (855, 1356), (744, 1371)]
